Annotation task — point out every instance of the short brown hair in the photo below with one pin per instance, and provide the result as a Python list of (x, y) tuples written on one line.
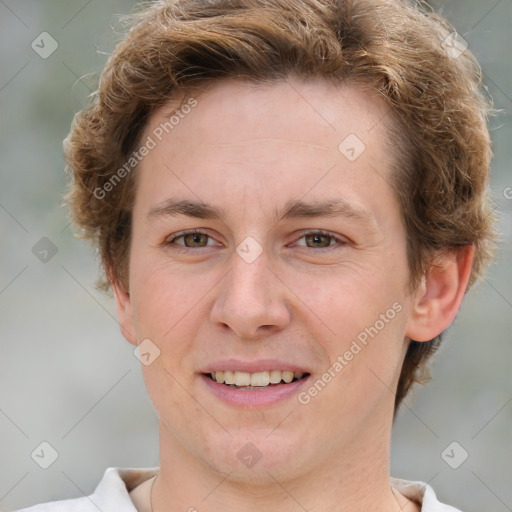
[(437, 123)]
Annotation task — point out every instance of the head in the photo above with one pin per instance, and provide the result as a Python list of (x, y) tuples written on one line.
[(251, 106)]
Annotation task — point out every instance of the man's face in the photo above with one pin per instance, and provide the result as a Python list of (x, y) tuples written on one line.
[(273, 283)]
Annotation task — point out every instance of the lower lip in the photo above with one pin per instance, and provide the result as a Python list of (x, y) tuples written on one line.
[(257, 398)]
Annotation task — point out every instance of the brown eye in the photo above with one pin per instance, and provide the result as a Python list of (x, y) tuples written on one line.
[(195, 239), (318, 240), (190, 239)]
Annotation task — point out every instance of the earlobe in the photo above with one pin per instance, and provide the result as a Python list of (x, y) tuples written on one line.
[(124, 311), (440, 294)]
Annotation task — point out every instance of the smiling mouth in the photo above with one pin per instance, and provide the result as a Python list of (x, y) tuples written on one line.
[(255, 381)]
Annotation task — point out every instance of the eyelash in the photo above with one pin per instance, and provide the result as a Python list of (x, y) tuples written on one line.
[(184, 248)]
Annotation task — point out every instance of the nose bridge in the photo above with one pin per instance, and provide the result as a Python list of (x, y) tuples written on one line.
[(251, 298), (249, 275)]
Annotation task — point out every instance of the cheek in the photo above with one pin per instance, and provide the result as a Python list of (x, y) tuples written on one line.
[(364, 363), (166, 306), (346, 300), (358, 316)]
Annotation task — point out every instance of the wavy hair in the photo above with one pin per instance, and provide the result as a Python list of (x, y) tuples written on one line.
[(401, 50)]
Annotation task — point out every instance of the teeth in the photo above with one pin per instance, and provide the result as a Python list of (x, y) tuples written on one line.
[(242, 379), (287, 376), (229, 377), (260, 379), (257, 379), (275, 376)]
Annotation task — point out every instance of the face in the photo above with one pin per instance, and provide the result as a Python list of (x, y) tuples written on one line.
[(268, 244)]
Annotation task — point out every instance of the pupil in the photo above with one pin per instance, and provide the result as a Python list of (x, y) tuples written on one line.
[(317, 239), (195, 238)]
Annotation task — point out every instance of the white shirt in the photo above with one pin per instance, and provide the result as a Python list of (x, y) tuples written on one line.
[(112, 494)]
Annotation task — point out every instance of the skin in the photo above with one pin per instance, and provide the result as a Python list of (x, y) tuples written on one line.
[(250, 149)]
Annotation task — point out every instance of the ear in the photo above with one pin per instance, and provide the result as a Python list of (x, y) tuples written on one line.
[(124, 311), (440, 294)]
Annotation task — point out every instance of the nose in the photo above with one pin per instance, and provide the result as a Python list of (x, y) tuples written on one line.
[(252, 299)]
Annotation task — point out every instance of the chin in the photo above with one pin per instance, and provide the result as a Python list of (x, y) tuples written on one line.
[(256, 460)]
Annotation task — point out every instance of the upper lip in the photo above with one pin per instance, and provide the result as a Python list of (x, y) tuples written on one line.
[(254, 366)]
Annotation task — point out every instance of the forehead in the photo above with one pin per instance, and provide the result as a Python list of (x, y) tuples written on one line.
[(287, 109), (285, 139)]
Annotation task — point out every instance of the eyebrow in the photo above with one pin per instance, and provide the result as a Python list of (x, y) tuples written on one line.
[(293, 209)]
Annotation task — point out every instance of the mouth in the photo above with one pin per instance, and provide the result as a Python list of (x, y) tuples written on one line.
[(246, 381)]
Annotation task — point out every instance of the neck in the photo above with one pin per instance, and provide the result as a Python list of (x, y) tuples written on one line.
[(186, 483)]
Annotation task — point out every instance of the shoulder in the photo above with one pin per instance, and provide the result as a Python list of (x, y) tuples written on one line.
[(111, 494), (423, 494)]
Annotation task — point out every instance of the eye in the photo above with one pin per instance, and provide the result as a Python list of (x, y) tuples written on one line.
[(191, 239), (320, 240), (198, 239)]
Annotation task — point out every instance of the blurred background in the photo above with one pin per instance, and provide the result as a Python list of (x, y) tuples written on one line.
[(68, 378)]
